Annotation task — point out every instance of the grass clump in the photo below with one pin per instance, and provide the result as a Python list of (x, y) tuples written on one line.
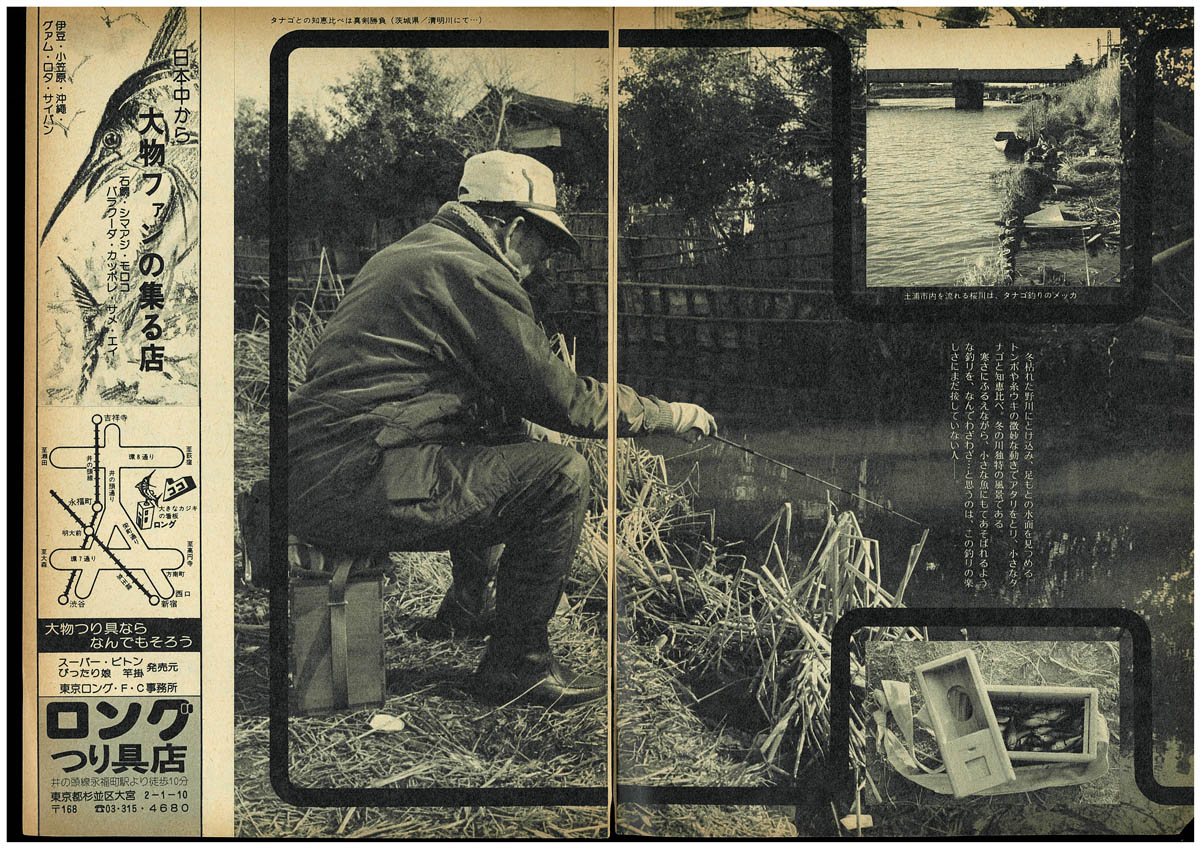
[(990, 268), (756, 629), (1088, 107), (1023, 188)]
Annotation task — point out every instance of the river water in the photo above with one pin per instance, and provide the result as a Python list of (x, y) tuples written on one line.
[(931, 202)]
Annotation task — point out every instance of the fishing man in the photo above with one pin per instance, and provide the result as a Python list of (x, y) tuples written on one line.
[(400, 437)]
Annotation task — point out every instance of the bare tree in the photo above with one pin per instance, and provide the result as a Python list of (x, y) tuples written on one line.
[(494, 78)]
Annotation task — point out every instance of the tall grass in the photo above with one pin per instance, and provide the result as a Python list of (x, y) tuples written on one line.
[(1091, 104), (251, 385), (720, 612), (993, 267)]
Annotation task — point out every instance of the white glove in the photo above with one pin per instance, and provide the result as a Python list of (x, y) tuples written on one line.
[(691, 421)]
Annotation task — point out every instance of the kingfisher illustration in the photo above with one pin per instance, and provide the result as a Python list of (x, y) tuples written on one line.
[(90, 277)]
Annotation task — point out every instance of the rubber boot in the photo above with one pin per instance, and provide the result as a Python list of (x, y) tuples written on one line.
[(468, 611), (462, 615), (529, 674)]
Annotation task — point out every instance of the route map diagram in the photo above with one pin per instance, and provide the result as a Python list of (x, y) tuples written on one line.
[(131, 508)]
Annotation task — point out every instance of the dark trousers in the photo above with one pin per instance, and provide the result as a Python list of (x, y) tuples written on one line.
[(529, 496), (474, 569)]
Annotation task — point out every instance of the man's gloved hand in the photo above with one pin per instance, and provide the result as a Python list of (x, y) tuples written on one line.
[(691, 421)]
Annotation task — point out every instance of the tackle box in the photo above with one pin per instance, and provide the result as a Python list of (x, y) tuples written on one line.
[(335, 618), (964, 725), (1040, 704)]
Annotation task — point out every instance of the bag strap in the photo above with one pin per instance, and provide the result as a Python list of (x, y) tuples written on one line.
[(338, 654)]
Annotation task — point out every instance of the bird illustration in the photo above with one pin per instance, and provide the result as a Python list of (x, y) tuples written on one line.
[(146, 490), (158, 203)]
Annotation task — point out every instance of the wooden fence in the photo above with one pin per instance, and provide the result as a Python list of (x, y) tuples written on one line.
[(734, 311)]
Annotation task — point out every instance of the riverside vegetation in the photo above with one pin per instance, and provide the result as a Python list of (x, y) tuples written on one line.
[(1076, 161)]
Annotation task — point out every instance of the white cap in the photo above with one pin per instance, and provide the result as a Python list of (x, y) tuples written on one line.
[(498, 176)]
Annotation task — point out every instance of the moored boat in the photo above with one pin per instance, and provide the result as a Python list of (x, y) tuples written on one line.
[(1053, 218), (1010, 144)]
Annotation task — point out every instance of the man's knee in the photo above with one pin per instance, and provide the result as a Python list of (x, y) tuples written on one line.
[(573, 468), (560, 469)]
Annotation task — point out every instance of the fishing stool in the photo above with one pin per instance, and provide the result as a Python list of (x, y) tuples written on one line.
[(335, 622)]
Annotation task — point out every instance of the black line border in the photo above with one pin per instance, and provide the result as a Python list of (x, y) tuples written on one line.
[(841, 203), (1140, 683), (587, 796)]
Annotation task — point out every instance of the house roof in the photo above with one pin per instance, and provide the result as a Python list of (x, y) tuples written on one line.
[(549, 109)]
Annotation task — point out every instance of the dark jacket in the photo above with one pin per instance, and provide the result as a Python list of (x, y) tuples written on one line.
[(434, 343)]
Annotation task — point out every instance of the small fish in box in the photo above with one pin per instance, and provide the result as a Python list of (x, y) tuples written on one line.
[(1047, 724)]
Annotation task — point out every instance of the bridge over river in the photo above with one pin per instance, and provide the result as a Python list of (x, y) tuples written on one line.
[(967, 83)]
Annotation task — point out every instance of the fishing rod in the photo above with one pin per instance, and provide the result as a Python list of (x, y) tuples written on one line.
[(812, 477)]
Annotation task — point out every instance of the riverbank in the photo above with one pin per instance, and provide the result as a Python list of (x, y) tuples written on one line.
[(1060, 222), (1079, 125)]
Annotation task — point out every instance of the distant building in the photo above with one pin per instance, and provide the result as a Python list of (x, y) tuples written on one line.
[(570, 138)]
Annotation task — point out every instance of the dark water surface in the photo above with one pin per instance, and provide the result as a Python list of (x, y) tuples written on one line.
[(931, 201)]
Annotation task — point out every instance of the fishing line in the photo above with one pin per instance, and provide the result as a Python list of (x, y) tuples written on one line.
[(812, 477)]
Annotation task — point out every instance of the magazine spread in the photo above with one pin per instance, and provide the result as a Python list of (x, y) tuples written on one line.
[(607, 422)]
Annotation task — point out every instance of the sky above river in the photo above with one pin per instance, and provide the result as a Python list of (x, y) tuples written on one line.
[(999, 47)]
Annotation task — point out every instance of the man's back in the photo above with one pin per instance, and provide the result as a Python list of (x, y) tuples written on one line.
[(398, 360), (434, 345)]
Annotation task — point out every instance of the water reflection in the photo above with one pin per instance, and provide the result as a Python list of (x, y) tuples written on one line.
[(931, 201)]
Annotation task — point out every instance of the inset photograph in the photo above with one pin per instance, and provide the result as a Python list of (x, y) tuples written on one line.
[(1000, 738), (993, 157)]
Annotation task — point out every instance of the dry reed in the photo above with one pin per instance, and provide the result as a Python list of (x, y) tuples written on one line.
[(450, 739)]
